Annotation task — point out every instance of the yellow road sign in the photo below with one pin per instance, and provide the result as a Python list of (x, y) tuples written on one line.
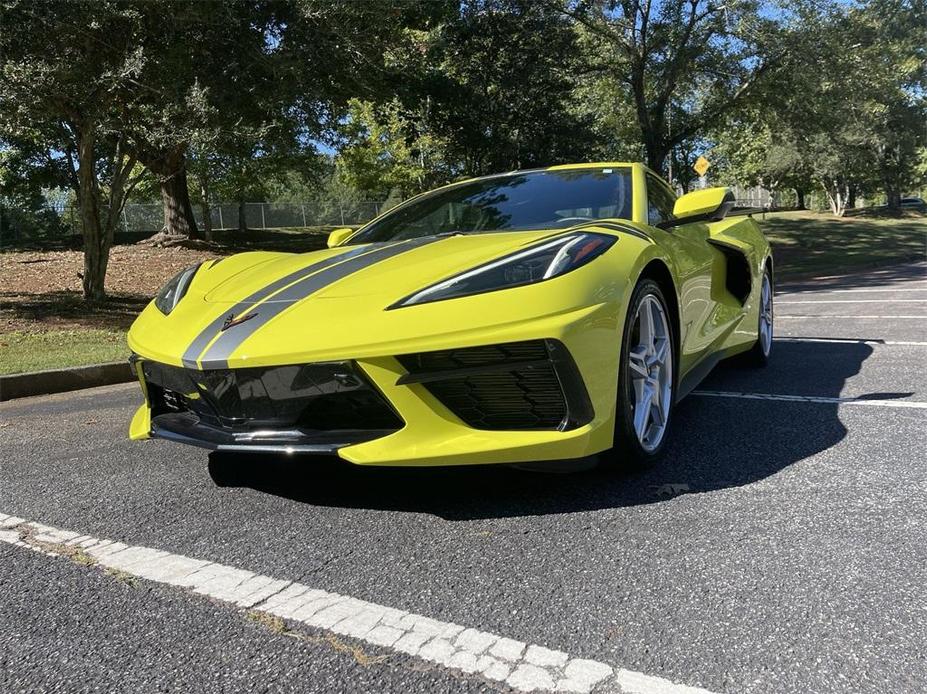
[(701, 166)]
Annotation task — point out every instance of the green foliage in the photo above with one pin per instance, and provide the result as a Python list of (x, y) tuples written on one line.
[(382, 152), (761, 151), (69, 81), (496, 87), (339, 101), (845, 112), (26, 172)]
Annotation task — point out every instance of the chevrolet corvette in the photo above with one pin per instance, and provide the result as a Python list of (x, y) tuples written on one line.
[(533, 315)]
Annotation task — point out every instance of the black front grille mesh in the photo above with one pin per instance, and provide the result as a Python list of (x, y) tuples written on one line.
[(319, 397), (533, 350), (527, 395)]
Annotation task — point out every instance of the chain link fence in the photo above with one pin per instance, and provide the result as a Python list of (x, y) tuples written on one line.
[(754, 196), (149, 217)]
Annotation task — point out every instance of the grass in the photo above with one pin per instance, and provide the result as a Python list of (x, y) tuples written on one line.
[(815, 243), (22, 352)]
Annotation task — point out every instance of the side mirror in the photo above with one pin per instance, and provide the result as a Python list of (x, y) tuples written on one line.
[(707, 205), (338, 236)]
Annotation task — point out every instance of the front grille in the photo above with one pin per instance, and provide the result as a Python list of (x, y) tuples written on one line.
[(509, 386), (307, 397), (518, 399), (508, 352)]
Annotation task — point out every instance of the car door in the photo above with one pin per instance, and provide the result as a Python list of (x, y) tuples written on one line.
[(696, 263)]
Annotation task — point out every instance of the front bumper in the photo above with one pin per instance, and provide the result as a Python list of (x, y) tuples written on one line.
[(491, 403), (308, 408)]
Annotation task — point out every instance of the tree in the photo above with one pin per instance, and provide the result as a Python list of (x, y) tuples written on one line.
[(844, 111), (68, 80), (302, 63), (496, 85), (693, 59), (893, 43), (208, 74), (27, 170), (384, 151), (757, 148)]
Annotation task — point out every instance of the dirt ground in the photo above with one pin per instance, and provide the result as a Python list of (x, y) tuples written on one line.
[(41, 290)]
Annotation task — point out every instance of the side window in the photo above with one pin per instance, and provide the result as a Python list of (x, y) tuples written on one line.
[(660, 201)]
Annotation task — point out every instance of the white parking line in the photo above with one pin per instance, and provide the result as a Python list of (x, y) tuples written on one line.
[(856, 301), (867, 290), (868, 402), (842, 315), (522, 666), (842, 340)]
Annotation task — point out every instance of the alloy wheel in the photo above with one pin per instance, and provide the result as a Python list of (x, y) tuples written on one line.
[(766, 315), (650, 365)]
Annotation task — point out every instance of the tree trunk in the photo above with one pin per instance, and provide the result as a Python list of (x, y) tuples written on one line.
[(171, 169), (96, 241), (178, 212), (800, 199), (205, 206), (837, 195), (851, 197), (657, 152), (892, 197), (242, 222)]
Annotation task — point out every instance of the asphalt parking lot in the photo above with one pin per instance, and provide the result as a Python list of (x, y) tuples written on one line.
[(780, 547)]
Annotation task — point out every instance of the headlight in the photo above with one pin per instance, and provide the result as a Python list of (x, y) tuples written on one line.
[(537, 263), (172, 292)]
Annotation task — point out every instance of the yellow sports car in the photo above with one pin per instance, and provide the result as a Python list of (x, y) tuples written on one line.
[(532, 315)]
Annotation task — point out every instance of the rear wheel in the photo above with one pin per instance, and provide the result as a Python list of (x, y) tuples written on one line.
[(646, 380), (762, 348)]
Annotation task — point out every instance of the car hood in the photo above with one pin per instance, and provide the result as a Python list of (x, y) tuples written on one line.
[(261, 308), (392, 270)]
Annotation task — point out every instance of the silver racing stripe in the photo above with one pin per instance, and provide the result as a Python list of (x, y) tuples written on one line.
[(217, 354), (210, 331), (627, 229)]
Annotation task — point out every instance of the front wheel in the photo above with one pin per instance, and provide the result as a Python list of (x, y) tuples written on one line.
[(646, 380)]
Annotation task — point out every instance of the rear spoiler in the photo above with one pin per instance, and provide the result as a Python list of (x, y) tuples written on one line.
[(713, 216)]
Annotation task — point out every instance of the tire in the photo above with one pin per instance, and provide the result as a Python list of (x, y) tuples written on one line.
[(758, 355), (640, 438)]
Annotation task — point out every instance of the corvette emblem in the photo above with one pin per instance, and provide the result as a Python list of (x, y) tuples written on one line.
[(231, 320)]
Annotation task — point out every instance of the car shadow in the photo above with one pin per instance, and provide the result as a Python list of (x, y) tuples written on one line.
[(717, 443)]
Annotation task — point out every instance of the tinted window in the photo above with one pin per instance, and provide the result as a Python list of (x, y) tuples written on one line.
[(531, 200), (660, 201)]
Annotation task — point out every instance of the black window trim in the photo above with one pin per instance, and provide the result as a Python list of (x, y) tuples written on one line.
[(648, 176)]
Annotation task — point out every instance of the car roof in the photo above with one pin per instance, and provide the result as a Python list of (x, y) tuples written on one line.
[(558, 167)]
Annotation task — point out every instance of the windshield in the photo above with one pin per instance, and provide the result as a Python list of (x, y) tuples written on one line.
[(530, 200)]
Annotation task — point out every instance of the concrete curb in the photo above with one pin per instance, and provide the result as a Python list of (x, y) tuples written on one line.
[(61, 380)]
